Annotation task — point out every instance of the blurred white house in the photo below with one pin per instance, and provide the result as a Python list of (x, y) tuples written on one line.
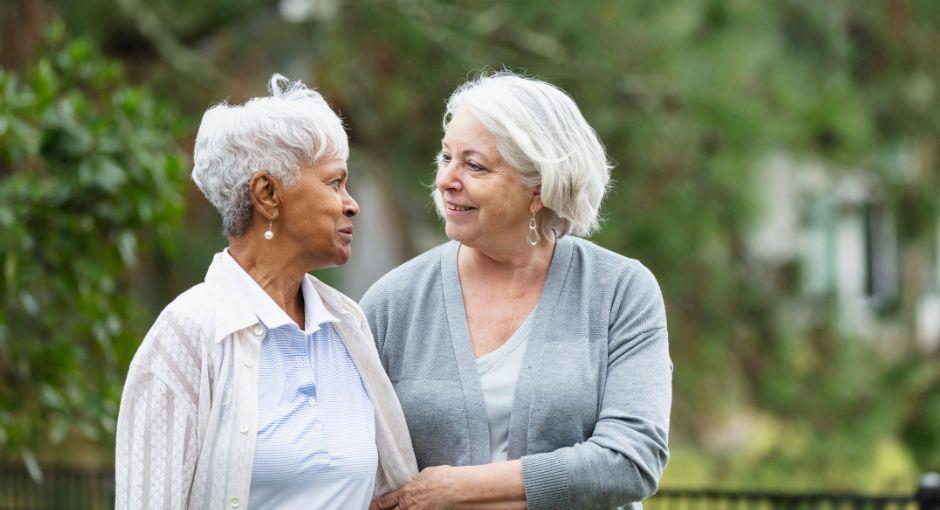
[(843, 234)]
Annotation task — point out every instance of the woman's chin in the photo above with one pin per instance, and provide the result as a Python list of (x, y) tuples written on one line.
[(343, 256), (454, 232), (333, 258)]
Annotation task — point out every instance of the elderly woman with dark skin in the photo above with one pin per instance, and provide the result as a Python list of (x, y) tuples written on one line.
[(261, 387), (532, 366)]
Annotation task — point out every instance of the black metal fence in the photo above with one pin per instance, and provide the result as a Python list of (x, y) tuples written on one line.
[(729, 500), (927, 497), (60, 488), (66, 488)]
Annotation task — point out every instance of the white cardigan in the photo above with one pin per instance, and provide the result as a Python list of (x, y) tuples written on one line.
[(186, 426)]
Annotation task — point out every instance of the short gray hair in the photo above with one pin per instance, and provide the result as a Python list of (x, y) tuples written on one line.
[(542, 134), (275, 134)]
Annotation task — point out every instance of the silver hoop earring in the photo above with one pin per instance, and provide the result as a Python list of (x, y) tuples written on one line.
[(533, 236), (269, 234)]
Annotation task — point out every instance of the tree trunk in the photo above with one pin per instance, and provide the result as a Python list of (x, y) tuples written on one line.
[(21, 24)]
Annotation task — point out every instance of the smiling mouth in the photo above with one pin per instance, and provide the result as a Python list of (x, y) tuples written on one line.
[(452, 207)]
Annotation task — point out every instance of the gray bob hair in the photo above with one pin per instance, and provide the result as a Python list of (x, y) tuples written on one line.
[(542, 134), (276, 134)]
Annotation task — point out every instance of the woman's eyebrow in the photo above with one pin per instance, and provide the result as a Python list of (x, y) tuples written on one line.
[(338, 172), (466, 152), (471, 152)]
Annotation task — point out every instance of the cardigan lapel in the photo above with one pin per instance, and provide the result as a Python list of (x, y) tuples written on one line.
[(479, 429), (532, 359)]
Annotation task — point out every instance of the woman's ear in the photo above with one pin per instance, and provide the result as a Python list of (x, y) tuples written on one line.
[(262, 188), (536, 204)]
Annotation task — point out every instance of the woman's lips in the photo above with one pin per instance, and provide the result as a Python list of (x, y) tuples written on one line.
[(457, 211), (346, 233)]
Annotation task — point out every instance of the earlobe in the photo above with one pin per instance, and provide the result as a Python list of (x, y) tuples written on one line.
[(536, 204)]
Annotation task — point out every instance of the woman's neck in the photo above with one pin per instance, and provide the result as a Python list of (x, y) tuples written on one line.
[(528, 264), (275, 272)]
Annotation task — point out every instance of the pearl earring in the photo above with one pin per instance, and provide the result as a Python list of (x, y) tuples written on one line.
[(269, 234)]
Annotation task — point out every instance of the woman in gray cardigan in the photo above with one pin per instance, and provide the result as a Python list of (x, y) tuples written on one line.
[(532, 366)]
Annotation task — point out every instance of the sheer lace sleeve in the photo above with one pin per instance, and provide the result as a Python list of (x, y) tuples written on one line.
[(156, 446)]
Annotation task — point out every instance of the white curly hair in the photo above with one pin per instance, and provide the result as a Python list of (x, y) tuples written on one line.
[(276, 134)]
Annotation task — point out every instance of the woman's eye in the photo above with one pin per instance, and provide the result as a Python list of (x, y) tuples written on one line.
[(443, 158), (475, 166)]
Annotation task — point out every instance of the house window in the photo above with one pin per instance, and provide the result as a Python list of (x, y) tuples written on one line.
[(880, 275), (851, 251), (819, 248)]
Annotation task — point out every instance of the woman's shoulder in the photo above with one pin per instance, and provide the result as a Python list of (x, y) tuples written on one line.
[(177, 340), (196, 305), (617, 268), (630, 286), (189, 320), (417, 272)]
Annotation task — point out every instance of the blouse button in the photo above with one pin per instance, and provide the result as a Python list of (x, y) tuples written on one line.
[(259, 330), (243, 429), (249, 362), (235, 503)]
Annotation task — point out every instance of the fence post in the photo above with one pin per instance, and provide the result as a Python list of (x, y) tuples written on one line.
[(928, 494)]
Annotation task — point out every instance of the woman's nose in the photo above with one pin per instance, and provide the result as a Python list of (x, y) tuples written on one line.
[(350, 206), (448, 178)]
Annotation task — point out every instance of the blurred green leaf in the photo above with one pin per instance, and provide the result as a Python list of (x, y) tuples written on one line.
[(73, 237)]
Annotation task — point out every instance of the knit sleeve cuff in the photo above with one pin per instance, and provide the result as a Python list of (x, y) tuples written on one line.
[(545, 476)]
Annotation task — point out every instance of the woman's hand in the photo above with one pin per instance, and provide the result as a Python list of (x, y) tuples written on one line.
[(387, 501), (496, 485), (433, 489)]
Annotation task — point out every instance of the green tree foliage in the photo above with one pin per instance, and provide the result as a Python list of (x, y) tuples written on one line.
[(690, 98), (90, 178)]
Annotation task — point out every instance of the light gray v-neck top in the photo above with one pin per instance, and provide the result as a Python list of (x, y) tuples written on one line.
[(499, 371), (590, 414)]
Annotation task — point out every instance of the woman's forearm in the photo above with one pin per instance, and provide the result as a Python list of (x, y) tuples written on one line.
[(489, 486)]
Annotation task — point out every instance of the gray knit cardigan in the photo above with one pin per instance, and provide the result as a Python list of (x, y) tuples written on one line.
[(590, 417)]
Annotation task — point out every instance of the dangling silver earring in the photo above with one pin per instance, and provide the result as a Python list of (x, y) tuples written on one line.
[(533, 236), (269, 234)]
